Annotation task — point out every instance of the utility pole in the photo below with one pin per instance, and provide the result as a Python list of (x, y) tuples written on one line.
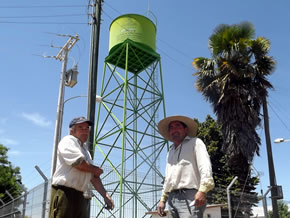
[(93, 70), (62, 56), (272, 176), (93, 73)]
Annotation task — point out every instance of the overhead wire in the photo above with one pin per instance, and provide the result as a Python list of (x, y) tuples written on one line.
[(14, 21), (43, 6), (44, 16), (110, 6), (278, 107), (20, 22), (280, 119)]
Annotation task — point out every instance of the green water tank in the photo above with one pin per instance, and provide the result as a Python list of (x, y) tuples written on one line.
[(135, 27)]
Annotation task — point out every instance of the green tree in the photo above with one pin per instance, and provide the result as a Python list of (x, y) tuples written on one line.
[(243, 193), (282, 210), (234, 82), (9, 176)]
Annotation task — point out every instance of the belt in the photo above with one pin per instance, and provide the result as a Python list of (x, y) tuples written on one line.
[(182, 190), (65, 188)]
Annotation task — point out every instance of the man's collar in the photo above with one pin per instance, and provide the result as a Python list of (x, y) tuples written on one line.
[(186, 138), (79, 141)]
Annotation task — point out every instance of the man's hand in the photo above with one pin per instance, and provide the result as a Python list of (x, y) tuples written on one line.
[(160, 208), (109, 202), (200, 199)]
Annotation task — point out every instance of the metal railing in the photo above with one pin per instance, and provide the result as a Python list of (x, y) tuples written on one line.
[(35, 202), (30, 204)]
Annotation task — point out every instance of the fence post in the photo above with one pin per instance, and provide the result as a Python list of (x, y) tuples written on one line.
[(2, 208), (265, 202), (44, 192), (229, 196), (25, 198), (12, 208)]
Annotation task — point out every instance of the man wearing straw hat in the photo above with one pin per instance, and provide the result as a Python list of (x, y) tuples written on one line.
[(188, 175)]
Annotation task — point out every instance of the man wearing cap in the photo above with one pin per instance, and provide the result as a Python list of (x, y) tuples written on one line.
[(73, 174), (188, 174)]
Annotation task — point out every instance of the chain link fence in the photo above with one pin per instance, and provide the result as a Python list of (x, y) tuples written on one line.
[(35, 203)]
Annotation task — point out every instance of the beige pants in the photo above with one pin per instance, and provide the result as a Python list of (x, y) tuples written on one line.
[(67, 203)]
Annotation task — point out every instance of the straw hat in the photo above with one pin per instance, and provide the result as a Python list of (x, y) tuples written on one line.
[(190, 123)]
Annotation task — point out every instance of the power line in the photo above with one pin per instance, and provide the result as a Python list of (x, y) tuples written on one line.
[(281, 120), (44, 6), (174, 60), (106, 3), (19, 22), (40, 16), (179, 51)]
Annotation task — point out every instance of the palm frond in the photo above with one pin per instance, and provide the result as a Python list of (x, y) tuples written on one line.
[(260, 46), (234, 81), (227, 38)]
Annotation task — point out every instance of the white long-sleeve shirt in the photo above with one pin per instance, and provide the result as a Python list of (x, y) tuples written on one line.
[(188, 166), (71, 152)]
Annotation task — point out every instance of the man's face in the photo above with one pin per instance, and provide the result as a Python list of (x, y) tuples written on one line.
[(177, 131), (81, 131)]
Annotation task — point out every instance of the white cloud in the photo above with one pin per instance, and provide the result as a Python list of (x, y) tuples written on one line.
[(37, 119), (14, 153), (7, 141)]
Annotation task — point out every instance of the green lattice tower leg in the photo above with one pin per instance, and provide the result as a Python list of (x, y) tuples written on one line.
[(127, 143)]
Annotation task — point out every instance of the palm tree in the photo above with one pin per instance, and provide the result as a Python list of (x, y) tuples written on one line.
[(282, 209), (234, 82)]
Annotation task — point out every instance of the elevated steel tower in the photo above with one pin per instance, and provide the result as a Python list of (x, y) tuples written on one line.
[(126, 137)]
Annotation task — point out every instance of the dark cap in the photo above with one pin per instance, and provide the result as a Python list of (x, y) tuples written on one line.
[(79, 120)]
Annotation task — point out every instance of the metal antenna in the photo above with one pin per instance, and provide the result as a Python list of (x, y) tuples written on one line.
[(148, 8)]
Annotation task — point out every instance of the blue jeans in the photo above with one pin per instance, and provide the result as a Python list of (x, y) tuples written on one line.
[(179, 204)]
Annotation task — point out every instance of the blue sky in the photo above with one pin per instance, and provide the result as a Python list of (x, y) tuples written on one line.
[(29, 82)]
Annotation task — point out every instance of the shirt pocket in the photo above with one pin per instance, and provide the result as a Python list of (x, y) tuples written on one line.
[(185, 171), (184, 163)]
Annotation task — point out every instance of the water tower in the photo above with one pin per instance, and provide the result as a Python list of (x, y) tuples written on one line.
[(126, 137)]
